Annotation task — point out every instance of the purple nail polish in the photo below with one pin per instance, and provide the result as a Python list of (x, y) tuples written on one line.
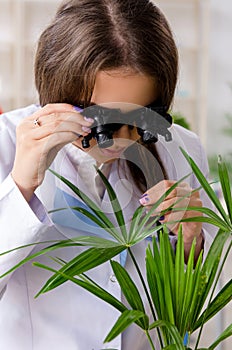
[(161, 218), (90, 120), (78, 109), (144, 200), (85, 129), (144, 195)]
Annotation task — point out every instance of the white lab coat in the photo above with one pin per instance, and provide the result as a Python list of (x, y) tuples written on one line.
[(68, 317)]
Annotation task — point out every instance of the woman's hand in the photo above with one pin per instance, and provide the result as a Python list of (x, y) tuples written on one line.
[(192, 199), (37, 143)]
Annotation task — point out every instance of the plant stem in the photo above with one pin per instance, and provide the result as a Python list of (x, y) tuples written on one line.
[(150, 340), (146, 292), (213, 290)]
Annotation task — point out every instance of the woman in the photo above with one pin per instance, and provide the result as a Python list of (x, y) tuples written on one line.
[(111, 54)]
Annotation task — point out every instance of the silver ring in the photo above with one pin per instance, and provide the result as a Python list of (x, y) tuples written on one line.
[(36, 122)]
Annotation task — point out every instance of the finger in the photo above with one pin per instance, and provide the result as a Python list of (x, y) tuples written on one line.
[(194, 202), (183, 212), (58, 112), (57, 118), (53, 108), (174, 220), (169, 205), (151, 197), (154, 193), (55, 141), (176, 205), (73, 129), (184, 205), (54, 118)]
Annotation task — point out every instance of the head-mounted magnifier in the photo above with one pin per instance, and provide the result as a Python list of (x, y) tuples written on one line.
[(150, 121)]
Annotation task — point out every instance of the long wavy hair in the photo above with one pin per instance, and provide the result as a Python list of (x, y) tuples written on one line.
[(88, 36)]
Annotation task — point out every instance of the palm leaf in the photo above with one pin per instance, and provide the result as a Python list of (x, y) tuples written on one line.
[(143, 222), (55, 246), (83, 262), (167, 265), (115, 205), (221, 300), (135, 221), (211, 217), (225, 184), (205, 185), (154, 283), (95, 241), (125, 320), (225, 334), (146, 233), (88, 285), (208, 272), (97, 211), (197, 279), (188, 291), (179, 274), (129, 290), (155, 278), (173, 331), (112, 231)]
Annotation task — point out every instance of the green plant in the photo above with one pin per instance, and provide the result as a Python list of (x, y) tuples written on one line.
[(176, 294), (212, 160), (179, 119)]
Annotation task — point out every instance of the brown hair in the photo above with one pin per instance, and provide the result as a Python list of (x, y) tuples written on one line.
[(88, 36)]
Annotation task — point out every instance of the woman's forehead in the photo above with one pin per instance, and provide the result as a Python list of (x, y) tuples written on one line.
[(116, 87)]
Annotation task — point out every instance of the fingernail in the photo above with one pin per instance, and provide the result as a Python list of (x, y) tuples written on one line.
[(144, 200), (144, 195), (85, 129), (78, 109), (90, 120), (161, 218)]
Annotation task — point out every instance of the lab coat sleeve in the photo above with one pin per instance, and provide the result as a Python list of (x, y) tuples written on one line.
[(21, 223)]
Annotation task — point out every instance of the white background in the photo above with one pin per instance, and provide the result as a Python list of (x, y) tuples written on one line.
[(220, 76)]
